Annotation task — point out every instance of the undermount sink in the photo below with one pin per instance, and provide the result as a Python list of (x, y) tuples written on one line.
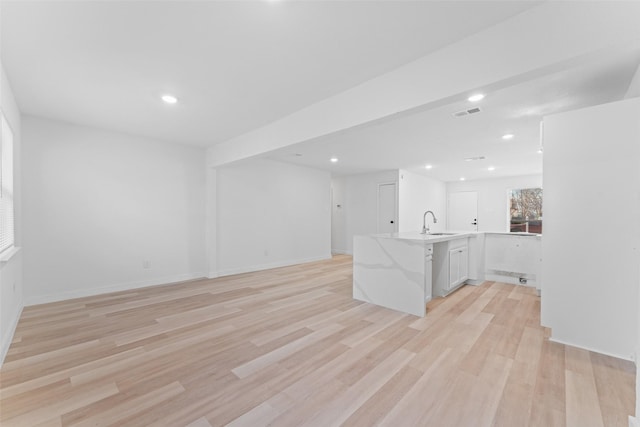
[(440, 234)]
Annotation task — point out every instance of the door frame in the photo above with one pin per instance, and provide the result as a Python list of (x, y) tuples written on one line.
[(395, 202)]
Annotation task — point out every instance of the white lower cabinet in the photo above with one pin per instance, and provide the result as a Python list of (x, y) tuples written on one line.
[(458, 266), (450, 265)]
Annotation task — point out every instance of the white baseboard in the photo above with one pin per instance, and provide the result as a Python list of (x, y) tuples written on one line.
[(509, 279), (268, 266), (617, 356), (81, 293), (8, 338), (340, 252)]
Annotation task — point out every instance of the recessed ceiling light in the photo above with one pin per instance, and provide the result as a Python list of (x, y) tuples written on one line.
[(491, 168), (428, 166), (334, 159), (477, 97), (508, 136), (462, 178), (169, 99)]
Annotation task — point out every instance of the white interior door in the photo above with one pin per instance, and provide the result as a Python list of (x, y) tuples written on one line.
[(387, 221), (463, 211)]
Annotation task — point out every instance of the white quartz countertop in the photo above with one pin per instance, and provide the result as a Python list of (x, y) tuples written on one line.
[(449, 235), (428, 238)]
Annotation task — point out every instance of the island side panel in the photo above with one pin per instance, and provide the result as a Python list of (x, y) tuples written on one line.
[(390, 273)]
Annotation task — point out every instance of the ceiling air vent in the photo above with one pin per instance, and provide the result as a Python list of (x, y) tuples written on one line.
[(466, 112), (472, 159)]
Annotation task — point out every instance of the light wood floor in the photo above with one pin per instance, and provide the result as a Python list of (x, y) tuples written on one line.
[(289, 347)]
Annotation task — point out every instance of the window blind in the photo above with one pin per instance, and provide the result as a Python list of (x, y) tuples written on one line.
[(6, 186)]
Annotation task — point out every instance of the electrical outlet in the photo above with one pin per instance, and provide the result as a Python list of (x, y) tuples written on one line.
[(146, 264)]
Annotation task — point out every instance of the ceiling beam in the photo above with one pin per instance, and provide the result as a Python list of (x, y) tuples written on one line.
[(512, 51)]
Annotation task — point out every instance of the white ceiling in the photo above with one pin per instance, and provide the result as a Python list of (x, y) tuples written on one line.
[(239, 65), (434, 136), (234, 65)]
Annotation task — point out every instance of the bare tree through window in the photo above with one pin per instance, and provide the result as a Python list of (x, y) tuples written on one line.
[(525, 210)]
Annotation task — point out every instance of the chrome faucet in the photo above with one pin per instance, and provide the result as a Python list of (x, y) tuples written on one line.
[(425, 229)]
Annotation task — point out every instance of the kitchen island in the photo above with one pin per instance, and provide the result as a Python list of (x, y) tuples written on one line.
[(397, 270)]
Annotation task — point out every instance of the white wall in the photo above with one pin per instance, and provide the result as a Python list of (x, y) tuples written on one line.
[(419, 194), (493, 207), (633, 91), (509, 257), (212, 222), (271, 214), (339, 238), (11, 293), (358, 197), (591, 237), (98, 205), (637, 417)]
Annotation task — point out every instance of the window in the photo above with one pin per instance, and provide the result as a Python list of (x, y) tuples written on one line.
[(525, 210), (6, 186)]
